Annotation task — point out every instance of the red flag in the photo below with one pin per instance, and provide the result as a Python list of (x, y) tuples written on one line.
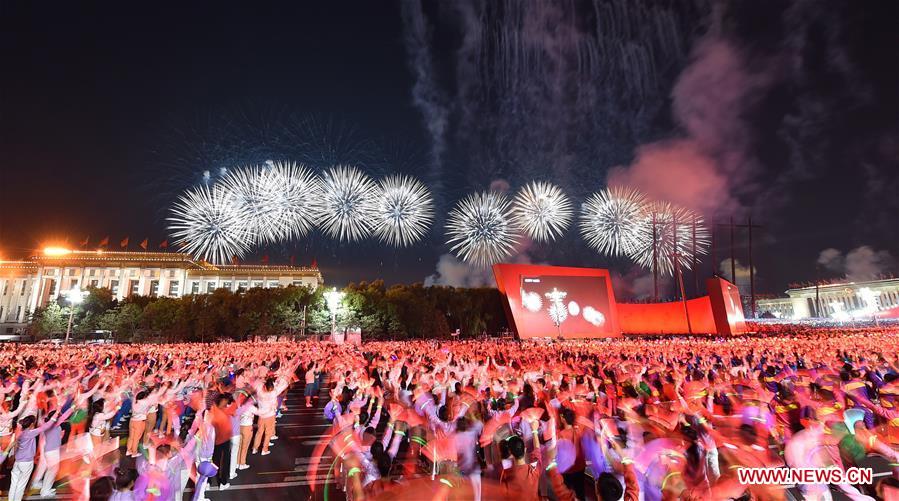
[(105, 241), (145, 244), (314, 263), (234, 260), (291, 260), (85, 241), (164, 244), (124, 243), (265, 259)]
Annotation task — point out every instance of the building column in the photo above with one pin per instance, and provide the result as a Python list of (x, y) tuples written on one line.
[(38, 292)]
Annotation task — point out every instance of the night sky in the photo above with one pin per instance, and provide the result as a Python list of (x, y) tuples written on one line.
[(785, 111)]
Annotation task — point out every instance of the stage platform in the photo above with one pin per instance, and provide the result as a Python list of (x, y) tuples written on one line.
[(557, 301)]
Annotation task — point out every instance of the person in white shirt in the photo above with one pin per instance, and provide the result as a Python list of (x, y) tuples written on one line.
[(144, 401), (245, 414), (267, 403), (7, 416), (311, 387), (99, 421), (26, 449)]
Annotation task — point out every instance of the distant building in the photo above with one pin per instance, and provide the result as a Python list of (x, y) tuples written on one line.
[(826, 300), (29, 284), (779, 307)]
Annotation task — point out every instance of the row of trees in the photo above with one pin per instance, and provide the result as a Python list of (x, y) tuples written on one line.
[(399, 311)]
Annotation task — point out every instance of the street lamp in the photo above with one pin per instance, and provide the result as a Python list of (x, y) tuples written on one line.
[(74, 296), (332, 299)]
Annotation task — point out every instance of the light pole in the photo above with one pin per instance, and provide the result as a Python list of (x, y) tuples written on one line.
[(74, 296), (333, 298), (675, 257), (304, 321)]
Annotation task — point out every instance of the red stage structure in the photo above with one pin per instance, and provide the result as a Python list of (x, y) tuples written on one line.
[(553, 301)]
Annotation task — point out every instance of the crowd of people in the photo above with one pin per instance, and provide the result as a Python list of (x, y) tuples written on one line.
[(661, 418), (651, 419), (192, 413)]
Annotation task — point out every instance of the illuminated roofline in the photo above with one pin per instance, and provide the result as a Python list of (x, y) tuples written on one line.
[(60, 257), (846, 284)]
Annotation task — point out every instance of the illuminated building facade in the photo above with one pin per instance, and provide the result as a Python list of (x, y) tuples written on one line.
[(824, 301), (30, 284)]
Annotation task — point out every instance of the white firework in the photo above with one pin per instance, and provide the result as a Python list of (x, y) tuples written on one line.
[(668, 231), (208, 223), (253, 188), (403, 211), (532, 301), (478, 229), (594, 316), (557, 310), (558, 313), (348, 203), (541, 210), (611, 220), (294, 193)]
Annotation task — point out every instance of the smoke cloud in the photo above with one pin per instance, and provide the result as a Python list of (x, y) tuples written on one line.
[(638, 285), (500, 185), (711, 100), (744, 141), (712, 165), (454, 273), (860, 263), (864, 263), (558, 90), (721, 107), (643, 287), (832, 260), (677, 172), (741, 274), (426, 95)]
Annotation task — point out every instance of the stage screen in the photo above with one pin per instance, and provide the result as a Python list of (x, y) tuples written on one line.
[(580, 302), (579, 298)]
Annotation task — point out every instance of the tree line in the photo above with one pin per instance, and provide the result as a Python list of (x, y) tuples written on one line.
[(398, 311)]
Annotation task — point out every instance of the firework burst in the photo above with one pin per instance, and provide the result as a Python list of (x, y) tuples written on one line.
[(295, 194), (479, 230), (557, 310), (403, 211), (667, 231), (532, 301), (541, 210), (611, 220), (208, 223), (348, 203), (253, 187)]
